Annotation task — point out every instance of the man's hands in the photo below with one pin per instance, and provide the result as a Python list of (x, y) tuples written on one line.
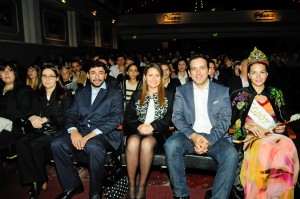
[(145, 129), (201, 144), (78, 141)]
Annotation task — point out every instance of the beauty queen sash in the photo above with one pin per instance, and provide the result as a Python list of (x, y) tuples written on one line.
[(261, 117)]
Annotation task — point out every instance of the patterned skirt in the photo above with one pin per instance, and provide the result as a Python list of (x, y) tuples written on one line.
[(270, 167)]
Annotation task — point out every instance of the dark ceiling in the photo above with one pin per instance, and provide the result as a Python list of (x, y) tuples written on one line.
[(162, 6)]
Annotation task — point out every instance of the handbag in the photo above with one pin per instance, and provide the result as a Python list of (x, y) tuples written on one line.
[(48, 128), (115, 183)]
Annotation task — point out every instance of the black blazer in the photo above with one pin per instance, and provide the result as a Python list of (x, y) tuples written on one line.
[(160, 125), (174, 82), (234, 84), (18, 103)]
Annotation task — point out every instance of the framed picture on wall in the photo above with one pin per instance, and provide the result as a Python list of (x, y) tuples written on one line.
[(86, 31), (9, 24), (54, 25)]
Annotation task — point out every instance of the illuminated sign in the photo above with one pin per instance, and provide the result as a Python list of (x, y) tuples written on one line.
[(171, 18), (266, 16)]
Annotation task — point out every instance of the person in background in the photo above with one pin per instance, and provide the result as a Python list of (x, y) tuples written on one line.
[(33, 148), (33, 76), (241, 81), (79, 75), (16, 101), (66, 80), (91, 122), (128, 61), (212, 71), (169, 83), (269, 167), (148, 117), (131, 83), (118, 68), (236, 68), (201, 115), (182, 71)]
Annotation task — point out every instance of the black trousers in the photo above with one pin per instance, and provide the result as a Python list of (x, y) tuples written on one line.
[(63, 152), (33, 151), (9, 138)]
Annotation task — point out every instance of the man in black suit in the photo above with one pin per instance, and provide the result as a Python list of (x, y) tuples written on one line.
[(91, 123), (237, 82)]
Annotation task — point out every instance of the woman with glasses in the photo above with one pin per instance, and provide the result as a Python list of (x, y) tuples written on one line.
[(33, 149), (15, 103), (148, 117)]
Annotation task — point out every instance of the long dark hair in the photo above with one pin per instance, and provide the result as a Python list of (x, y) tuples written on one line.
[(14, 67)]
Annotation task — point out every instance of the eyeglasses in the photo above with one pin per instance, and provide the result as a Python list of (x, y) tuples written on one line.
[(51, 77), (6, 69)]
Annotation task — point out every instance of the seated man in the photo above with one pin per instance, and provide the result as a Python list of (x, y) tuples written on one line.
[(202, 115), (91, 121)]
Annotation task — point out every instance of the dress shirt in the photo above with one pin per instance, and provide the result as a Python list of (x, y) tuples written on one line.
[(202, 123)]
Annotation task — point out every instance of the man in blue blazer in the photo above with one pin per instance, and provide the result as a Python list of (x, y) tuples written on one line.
[(201, 114), (91, 123)]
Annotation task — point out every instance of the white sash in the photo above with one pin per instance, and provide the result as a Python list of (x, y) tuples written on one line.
[(261, 117)]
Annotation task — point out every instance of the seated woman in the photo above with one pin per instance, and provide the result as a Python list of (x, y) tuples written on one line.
[(169, 83), (33, 149), (131, 83), (270, 165), (33, 76), (15, 102), (148, 116)]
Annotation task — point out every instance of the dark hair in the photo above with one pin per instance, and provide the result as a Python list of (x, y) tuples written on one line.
[(196, 56), (249, 66), (60, 90), (98, 63), (14, 68), (129, 66)]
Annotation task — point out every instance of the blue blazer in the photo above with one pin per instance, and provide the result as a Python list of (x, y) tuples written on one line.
[(105, 114), (218, 106)]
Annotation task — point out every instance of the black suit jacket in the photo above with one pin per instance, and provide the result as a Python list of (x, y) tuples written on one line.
[(105, 114), (234, 84)]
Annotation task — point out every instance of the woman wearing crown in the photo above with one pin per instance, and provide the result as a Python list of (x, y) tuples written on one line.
[(269, 163)]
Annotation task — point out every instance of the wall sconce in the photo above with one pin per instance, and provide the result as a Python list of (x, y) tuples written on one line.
[(94, 13), (63, 1), (113, 21)]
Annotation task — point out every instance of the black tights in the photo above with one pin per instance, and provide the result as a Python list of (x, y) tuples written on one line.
[(139, 152)]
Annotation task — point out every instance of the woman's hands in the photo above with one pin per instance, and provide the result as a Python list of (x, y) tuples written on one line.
[(37, 121), (279, 128), (260, 132), (145, 129), (257, 130)]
